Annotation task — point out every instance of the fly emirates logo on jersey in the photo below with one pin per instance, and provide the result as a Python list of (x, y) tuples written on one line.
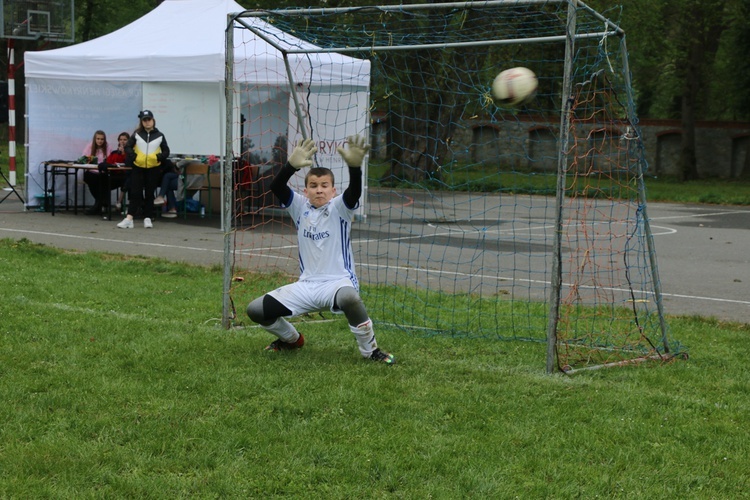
[(311, 231), (315, 235)]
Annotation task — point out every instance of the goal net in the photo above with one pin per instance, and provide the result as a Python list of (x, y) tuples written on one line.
[(477, 219)]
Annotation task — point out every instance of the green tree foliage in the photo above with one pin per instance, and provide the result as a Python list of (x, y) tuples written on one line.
[(686, 56), (676, 47), (95, 18), (730, 86), (687, 59)]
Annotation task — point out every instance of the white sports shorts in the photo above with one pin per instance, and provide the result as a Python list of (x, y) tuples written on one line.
[(310, 296)]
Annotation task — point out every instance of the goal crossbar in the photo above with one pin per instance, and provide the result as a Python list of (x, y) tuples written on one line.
[(425, 46)]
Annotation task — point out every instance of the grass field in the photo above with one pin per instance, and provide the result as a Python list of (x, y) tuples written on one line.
[(117, 382), (709, 191)]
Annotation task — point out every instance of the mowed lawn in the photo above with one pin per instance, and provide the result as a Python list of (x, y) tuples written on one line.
[(117, 381)]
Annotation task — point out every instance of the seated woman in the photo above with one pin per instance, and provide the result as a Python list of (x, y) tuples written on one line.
[(123, 191), (169, 183), (96, 179), (98, 149)]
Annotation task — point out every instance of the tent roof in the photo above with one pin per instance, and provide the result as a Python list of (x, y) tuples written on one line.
[(183, 40)]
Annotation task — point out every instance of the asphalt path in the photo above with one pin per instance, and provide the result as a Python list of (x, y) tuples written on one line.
[(703, 251)]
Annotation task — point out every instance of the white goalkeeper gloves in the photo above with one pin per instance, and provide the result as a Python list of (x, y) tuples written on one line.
[(302, 154), (354, 155)]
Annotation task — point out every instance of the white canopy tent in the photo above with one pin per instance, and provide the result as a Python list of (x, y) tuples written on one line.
[(172, 62)]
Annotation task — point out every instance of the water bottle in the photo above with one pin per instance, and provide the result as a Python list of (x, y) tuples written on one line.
[(203, 211)]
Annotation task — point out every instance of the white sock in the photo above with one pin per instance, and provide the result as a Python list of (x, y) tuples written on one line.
[(365, 338), (283, 330)]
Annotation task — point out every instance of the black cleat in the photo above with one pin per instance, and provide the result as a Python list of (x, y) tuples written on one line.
[(382, 357)]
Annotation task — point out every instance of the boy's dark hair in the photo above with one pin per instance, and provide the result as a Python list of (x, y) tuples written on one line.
[(320, 172)]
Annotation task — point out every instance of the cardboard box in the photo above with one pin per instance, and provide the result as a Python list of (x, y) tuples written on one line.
[(214, 180), (215, 183)]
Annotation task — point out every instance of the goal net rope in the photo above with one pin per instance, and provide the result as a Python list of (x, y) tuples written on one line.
[(477, 219)]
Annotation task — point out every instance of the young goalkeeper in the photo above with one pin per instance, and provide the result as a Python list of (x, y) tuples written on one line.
[(327, 280)]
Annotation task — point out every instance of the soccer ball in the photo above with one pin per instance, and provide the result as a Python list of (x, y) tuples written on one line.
[(514, 86)]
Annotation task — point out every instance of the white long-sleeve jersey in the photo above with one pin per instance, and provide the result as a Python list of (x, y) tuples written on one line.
[(324, 238)]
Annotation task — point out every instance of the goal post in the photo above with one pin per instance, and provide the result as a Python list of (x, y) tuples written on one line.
[(477, 219), (562, 166)]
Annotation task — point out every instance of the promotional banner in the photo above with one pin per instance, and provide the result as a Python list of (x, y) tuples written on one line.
[(62, 116), (330, 115)]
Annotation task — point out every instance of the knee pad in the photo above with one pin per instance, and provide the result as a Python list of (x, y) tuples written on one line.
[(255, 310), (350, 303), (265, 310), (347, 298)]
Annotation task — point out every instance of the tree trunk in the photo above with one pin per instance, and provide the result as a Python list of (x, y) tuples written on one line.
[(695, 58), (687, 161), (88, 20)]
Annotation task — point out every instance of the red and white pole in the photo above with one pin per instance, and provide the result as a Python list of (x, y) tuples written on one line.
[(11, 113)]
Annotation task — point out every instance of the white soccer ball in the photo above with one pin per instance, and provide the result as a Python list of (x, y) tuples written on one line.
[(514, 86)]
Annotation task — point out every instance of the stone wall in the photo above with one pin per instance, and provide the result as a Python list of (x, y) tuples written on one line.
[(721, 147), (531, 143)]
